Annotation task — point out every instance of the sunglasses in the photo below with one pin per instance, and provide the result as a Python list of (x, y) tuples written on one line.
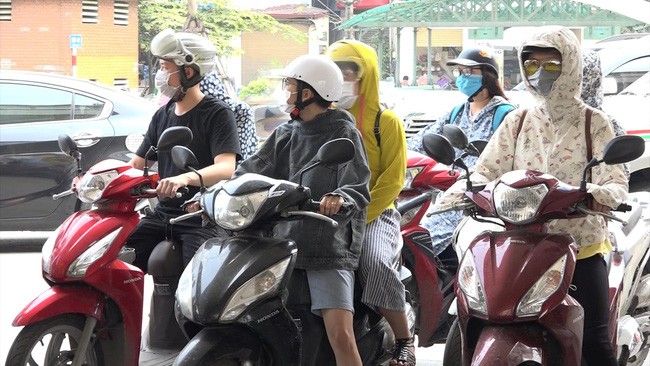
[(552, 66), (464, 71)]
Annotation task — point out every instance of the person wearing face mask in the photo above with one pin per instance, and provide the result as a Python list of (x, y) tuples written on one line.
[(557, 136), (384, 142), (328, 255), (184, 58), (477, 77)]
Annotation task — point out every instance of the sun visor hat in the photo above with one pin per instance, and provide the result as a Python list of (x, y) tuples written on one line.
[(475, 57)]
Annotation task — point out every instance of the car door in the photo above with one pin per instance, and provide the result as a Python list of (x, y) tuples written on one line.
[(32, 168)]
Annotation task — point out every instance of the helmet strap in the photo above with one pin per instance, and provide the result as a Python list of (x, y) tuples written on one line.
[(300, 104), (188, 83)]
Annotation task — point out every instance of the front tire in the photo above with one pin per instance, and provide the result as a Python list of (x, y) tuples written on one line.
[(453, 347), (52, 342)]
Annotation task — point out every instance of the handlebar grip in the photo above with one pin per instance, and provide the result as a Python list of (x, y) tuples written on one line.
[(179, 193), (623, 207)]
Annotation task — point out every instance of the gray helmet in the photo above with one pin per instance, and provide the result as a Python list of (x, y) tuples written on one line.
[(185, 49)]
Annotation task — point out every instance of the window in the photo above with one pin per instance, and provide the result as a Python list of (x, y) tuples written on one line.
[(89, 11), (628, 73), (121, 12), (85, 107), (30, 103), (5, 10)]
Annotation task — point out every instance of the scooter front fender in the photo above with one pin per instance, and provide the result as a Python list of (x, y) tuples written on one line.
[(509, 346), (223, 343), (59, 300)]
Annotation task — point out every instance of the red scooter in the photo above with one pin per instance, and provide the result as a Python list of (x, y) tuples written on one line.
[(513, 310), (431, 285), (92, 312)]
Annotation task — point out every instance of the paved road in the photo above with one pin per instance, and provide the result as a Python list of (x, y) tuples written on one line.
[(21, 281)]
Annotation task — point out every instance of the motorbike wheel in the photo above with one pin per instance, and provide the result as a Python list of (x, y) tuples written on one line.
[(453, 348), (51, 342)]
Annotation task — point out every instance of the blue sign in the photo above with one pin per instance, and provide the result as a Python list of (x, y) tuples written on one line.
[(75, 41)]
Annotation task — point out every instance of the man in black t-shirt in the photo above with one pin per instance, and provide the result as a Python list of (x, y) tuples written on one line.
[(185, 59)]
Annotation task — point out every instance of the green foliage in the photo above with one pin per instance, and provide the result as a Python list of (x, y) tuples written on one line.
[(256, 88), (222, 22)]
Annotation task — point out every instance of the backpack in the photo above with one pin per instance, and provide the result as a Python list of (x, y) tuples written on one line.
[(497, 117)]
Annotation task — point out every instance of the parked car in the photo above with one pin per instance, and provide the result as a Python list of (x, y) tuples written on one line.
[(35, 108)]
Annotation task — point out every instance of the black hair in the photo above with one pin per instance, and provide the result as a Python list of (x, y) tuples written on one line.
[(525, 54), (491, 82)]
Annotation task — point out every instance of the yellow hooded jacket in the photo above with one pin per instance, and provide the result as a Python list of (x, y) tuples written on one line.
[(388, 161)]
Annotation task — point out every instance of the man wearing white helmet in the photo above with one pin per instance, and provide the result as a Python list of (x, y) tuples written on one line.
[(327, 254), (184, 59)]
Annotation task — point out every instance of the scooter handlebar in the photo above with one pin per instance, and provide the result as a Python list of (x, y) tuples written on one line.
[(179, 193)]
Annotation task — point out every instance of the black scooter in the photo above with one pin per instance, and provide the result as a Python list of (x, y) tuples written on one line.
[(240, 300)]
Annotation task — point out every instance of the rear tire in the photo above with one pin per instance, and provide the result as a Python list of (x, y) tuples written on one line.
[(453, 348), (52, 342)]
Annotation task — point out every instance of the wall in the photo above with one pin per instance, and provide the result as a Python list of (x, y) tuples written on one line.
[(37, 39)]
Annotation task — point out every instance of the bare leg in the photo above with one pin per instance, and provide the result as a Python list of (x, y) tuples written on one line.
[(338, 324)]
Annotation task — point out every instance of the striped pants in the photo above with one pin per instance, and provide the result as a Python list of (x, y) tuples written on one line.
[(381, 285)]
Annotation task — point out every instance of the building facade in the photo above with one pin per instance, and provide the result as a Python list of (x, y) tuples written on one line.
[(91, 39)]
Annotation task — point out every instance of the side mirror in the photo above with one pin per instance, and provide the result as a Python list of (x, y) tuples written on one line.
[(456, 136), (622, 149), (619, 150), (439, 148), (332, 152), (67, 144), (184, 158), (336, 151), (172, 136)]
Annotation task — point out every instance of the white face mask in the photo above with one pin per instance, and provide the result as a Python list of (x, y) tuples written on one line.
[(162, 83), (288, 107), (348, 98)]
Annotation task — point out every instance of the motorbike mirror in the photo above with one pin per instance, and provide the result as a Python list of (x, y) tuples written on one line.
[(173, 136), (332, 152), (336, 151), (622, 149), (67, 144), (439, 148), (455, 135), (619, 150), (185, 159)]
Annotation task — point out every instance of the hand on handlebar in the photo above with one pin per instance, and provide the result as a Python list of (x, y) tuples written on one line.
[(330, 204), (169, 187), (596, 206)]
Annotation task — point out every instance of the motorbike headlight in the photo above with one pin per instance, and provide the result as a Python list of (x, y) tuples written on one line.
[(409, 215), (92, 186), (80, 265), (184, 292), (411, 173), (531, 303), (46, 251), (264, 283), (518, 205), (470, 284), (237, 212)]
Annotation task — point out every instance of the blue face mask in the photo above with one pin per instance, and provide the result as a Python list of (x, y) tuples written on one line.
[(469, 85)]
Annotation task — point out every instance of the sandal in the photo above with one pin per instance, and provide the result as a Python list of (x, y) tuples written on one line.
[(403, 352)]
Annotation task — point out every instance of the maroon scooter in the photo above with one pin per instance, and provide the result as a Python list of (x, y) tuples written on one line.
[(431, 284), (512, 286)]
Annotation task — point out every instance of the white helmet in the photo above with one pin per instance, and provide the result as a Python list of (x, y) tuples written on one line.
[(185, 49), (320, 72)]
